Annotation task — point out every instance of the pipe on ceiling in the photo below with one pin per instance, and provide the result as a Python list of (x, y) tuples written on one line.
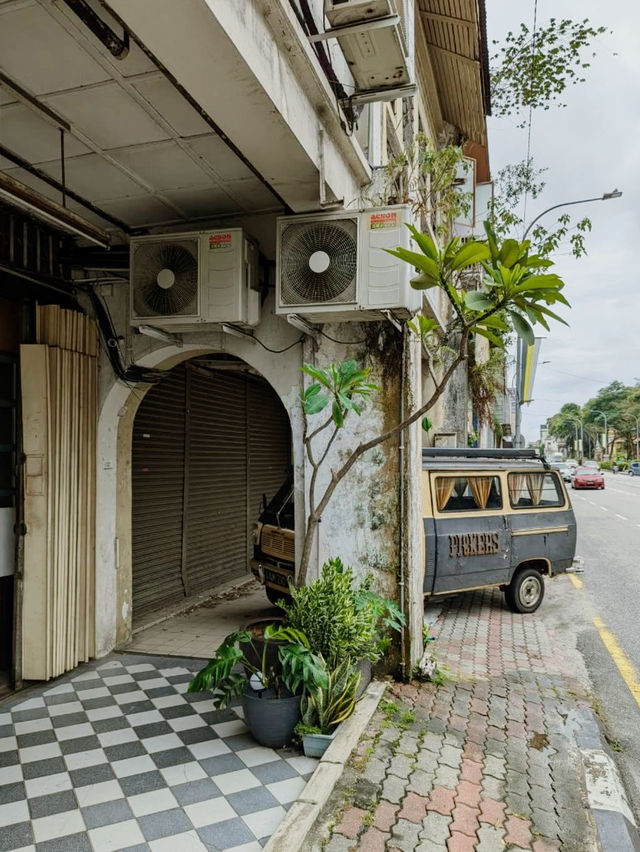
[(117, 47)]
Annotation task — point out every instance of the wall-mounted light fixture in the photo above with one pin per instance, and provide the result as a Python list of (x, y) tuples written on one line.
[(22, 196)]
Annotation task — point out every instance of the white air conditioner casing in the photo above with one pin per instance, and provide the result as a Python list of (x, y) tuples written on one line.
[(377, 57), (332, 266), (180, 281)]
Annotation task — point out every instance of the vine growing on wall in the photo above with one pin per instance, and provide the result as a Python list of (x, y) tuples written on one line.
[(428, 178)]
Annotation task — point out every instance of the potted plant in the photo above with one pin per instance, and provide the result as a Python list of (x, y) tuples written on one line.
[(342, 621), (271, 693), (325, 706)]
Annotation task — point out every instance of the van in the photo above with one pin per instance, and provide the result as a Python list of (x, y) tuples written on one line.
[(495, 518), (491, 517)]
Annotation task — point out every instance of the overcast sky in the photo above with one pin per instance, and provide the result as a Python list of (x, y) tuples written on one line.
[(589, 148)]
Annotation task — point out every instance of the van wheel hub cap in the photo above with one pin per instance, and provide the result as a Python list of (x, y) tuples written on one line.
[(530, 591)]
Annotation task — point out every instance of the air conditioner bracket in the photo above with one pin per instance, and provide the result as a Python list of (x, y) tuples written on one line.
[(359, 27)]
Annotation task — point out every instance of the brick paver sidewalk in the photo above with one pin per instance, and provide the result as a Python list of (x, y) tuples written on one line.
[(486, 761)]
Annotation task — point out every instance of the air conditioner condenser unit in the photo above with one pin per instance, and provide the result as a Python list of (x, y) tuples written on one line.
[(377, 56), (185, 280), (332, 266)]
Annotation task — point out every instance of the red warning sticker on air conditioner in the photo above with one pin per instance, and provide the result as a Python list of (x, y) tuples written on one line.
[(218, 241), (383, 219)]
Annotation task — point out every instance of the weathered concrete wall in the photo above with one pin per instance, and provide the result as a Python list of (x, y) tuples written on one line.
[(361, 523)]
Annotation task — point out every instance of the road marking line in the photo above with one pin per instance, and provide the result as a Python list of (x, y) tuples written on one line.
[(592, 503), (577, 582), (618, 656), (604, 508), (622, 517)]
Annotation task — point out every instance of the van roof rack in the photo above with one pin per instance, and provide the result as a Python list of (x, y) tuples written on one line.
[(478, 453)]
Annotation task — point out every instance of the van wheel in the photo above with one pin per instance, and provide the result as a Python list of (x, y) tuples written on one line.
[(276, 595), (526, 591)]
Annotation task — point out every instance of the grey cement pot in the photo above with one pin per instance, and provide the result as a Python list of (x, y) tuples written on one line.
[(271, 720)]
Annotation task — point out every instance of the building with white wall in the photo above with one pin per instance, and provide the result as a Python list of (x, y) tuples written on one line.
[(159, 119)]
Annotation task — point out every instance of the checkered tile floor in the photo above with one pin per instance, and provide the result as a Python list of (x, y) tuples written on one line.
[(117, 755)]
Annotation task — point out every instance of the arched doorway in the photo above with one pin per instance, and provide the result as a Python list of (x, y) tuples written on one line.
[(208, 441)]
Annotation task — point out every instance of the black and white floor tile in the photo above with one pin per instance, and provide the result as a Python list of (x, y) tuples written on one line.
[(117, 755)]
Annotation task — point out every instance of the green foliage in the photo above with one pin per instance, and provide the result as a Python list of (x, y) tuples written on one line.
[(339, 620), (387, 615), (337, 384), (486, 380), (326, 705), (621, 404), (325, 611), (522, 180), (515, 293), (426, 177), (532, 70), (300, 666)]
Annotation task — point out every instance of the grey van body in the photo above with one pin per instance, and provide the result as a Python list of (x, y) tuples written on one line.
[(492, 516)]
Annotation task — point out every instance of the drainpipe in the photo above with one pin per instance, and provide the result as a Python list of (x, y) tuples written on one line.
[(401, 510)]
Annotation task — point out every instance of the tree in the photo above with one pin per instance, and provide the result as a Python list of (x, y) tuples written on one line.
[(531, 70), (618, 401), (563, 424), (613, 401), (534, 66), (517, 291)]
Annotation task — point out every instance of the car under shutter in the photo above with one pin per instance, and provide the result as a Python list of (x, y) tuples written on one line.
[(157, 505)]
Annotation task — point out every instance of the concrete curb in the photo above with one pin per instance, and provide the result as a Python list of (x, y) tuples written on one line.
[(301, 816), (615, 824)]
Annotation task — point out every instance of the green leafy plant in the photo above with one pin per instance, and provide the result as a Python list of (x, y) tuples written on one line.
[(231, 668), (387, 615), (426, 176), (534, 67), (329, 613), (324, 706), (515, 291)]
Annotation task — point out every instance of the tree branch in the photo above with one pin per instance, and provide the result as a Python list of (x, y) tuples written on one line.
[(336, 477)]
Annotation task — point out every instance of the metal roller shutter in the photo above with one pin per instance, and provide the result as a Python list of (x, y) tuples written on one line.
[(216, 479), (157, 505), (269, 445), (206, 446)]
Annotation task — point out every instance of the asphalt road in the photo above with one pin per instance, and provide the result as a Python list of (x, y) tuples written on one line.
[(608, 619)]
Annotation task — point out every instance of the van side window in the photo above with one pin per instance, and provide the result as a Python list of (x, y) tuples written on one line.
[(467, 493), (534, 490)]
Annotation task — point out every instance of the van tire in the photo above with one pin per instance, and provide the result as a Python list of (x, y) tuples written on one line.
[(275, 595), (525, 592)]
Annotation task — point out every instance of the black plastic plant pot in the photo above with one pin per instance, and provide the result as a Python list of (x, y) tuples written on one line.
[(271, 720)]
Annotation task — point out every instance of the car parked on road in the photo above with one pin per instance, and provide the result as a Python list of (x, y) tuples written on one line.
[(634, 468), (587, 477), (592, 464)]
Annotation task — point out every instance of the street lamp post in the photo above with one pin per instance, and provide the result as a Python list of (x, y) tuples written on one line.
[(616, 193), (606, 431), (637, 419), (577, 420), (604, 197)]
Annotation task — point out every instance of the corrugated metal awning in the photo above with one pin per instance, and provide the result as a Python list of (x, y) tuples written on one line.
[(454, 32)]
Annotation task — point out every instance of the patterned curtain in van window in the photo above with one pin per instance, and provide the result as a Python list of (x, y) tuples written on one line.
[(535, 481), (481, 488), (517, 482), (444, 490)]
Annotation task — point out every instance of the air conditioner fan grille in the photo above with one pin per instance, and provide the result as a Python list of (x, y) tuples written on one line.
[(165, 279), (335, 242)]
